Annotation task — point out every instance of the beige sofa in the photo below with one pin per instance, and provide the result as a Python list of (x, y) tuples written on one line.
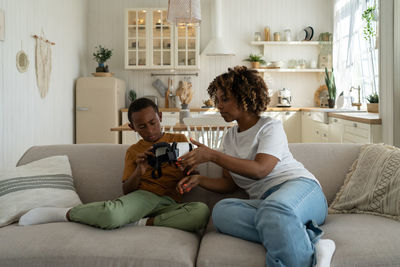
[(361, 240)]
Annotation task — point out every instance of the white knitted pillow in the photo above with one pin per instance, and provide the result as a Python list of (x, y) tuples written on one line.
[(44, 183), (373, 184)]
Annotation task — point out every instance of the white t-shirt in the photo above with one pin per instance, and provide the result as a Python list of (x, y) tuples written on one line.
[(267, 136)]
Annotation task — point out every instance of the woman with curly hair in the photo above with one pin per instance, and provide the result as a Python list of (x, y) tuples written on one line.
[(286, 202)]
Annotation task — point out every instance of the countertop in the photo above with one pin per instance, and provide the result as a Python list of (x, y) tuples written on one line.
[(354, 115), (363, 117)]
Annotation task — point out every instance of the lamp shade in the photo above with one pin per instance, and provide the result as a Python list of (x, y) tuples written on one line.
[(184, 11)]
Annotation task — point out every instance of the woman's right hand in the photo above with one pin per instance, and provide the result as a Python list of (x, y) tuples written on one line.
[(187, 183), (198, 155)]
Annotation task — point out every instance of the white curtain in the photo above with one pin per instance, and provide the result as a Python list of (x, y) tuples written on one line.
[(355, 59)]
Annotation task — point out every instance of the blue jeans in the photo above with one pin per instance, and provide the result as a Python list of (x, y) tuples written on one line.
[(285, 221)]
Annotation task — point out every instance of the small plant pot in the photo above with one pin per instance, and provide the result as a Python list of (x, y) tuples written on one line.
[(331, 103), (373, 107), (255, 64)]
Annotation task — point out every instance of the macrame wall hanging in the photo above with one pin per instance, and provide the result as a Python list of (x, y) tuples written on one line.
[(43, 63)]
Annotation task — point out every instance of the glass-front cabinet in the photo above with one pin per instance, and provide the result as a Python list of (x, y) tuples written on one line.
[(137, 34), (153, 43), (187, 40)]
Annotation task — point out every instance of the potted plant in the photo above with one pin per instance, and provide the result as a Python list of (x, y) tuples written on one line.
[(369, 15), (255, 60), (101, 55), (331, 85), (373, 105)]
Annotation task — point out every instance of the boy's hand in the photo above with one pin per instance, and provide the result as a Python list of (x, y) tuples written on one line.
[(187, 183), (141, 161)]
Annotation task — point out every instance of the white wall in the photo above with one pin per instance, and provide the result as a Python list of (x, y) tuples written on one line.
[(241, 18), (25, 118)]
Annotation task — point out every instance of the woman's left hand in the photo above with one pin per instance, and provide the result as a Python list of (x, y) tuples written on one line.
[(198, 155)]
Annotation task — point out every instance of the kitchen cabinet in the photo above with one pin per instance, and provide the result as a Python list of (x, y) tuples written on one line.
[(357, 132), (289, 50), (313, 131), (335, 132), (291, 121), (152, 43), (339, 131)]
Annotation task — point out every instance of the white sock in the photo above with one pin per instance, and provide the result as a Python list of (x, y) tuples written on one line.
[(44, 215), (324, 249), (141, 222)]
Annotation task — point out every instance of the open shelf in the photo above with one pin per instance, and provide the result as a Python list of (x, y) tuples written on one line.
[(290, 43), (290, 70)]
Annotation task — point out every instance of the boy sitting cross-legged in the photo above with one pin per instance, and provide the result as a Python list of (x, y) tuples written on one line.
[(146, 201)]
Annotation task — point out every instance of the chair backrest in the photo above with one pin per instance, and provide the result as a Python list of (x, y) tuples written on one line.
[(211, 131)]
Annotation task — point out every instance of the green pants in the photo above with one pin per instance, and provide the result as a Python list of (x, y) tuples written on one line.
[(112, 214)]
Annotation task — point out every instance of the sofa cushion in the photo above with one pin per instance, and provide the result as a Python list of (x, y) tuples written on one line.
[(363, 240), (47, 182), (96, 168), (73, 244), (220, 250), (373, 184)]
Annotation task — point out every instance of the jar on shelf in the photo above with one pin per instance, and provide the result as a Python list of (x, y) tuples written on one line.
[(288, 35), (277, 36), (257, 36)]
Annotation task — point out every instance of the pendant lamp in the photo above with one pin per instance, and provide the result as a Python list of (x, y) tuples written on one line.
[(184, 12)]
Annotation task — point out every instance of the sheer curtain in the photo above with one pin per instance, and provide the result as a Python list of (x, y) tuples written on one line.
[(355, 59)]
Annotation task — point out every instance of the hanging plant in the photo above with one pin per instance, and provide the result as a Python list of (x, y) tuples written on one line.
[(369, 17)]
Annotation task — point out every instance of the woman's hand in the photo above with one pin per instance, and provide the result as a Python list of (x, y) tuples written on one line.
[(187, 183), (198, 155)]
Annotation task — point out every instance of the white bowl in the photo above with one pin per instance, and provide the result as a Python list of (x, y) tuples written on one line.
[(278, 64)]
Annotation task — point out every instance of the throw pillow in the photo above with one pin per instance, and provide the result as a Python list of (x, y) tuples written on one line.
[(373, 184), (44, 183)]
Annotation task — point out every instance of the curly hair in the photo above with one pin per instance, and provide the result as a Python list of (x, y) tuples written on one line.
[(245, 85)]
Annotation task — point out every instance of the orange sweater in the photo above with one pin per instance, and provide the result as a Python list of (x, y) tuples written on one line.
[(166, 184)]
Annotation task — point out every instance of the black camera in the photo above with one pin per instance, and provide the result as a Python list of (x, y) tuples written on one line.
[(166, 152)]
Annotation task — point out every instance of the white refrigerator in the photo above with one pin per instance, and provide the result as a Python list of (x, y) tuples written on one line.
[(98, 103)]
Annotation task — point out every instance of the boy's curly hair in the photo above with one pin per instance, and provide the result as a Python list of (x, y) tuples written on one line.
[(245, 85)]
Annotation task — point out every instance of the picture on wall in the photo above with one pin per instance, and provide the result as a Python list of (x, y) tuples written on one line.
[(2, 25)]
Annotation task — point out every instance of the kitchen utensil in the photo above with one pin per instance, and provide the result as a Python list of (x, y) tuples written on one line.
[(284, 98), (160, 86)]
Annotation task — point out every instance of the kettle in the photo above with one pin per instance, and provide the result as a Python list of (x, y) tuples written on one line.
[(284, 98)]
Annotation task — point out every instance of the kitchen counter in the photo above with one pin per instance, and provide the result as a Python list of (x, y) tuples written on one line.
[(363, 117), (214, 109), (352, 115)]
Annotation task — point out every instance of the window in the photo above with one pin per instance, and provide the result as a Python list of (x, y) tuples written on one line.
[(355, 58)]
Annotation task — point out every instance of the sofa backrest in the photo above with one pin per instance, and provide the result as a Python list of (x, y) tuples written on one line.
[(97, 168)]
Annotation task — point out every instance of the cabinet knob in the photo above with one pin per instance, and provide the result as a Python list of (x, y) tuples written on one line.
[(355, 125), (317, 132), (324, 134), (287, 113), (335, 120)]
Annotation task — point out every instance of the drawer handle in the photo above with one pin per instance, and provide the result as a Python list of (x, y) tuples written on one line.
[(82, 109)]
